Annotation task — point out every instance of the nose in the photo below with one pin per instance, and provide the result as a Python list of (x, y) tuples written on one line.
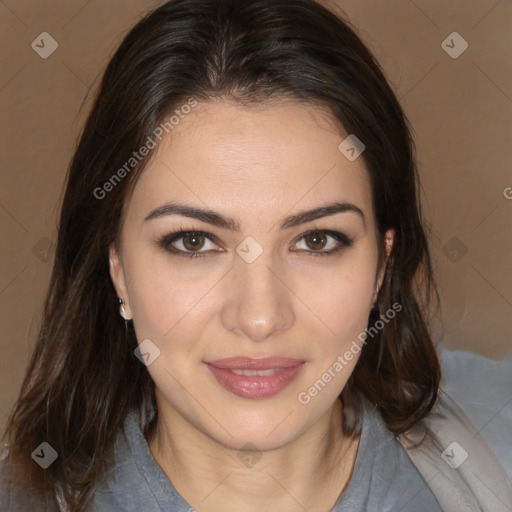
[(259, 303)]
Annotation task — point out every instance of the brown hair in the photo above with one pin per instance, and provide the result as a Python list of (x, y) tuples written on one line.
[(83, 376)]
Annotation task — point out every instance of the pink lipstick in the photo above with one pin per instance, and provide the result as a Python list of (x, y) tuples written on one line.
[(255, 378)]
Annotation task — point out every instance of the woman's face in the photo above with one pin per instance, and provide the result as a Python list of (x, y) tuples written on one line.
[(278, 289)]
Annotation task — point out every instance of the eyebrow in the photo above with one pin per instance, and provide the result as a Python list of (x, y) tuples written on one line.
[(219, 220)]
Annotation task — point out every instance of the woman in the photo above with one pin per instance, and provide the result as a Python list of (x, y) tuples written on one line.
[(234, 320)]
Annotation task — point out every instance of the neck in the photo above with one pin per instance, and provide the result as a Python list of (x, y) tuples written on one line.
[(309, 473)]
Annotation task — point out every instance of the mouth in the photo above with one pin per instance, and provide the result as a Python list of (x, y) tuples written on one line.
[(255, 378)]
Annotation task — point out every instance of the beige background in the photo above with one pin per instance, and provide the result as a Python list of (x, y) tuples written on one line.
[(461, 110)]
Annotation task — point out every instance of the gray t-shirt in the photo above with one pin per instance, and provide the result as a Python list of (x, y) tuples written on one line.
[(384, 478)]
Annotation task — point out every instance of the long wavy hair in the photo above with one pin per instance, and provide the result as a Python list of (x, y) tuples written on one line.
[(83, 377)]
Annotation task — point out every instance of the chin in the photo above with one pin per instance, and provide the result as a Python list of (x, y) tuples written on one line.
[(261, 431)]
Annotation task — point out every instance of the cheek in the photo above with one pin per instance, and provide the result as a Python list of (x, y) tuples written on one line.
[(169, 299), (341, 297), (157, 295)]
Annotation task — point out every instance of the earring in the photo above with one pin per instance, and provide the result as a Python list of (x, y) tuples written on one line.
[(122, 310)]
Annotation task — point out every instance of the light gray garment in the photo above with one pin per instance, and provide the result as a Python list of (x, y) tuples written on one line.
[(384, 478), (483, 388), (454, 457)]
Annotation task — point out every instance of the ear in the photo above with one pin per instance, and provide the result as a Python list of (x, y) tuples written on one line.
[(118, 278), (389, 240)]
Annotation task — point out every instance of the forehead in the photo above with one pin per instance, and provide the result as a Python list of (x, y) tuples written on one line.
[(263, 159)]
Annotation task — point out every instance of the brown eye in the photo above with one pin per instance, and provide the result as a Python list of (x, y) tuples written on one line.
[(316, 241), (323, 243), (189, 243), (193, 241)]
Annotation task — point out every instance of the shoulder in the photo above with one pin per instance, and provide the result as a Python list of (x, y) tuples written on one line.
[(450, 446), (482, 387)]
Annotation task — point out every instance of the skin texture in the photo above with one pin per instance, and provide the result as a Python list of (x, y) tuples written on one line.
[(257, 165)]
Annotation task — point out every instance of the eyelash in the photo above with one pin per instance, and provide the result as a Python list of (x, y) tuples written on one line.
[(166, 241)]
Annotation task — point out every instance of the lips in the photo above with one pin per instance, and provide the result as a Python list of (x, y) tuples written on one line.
[(255, 378)]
